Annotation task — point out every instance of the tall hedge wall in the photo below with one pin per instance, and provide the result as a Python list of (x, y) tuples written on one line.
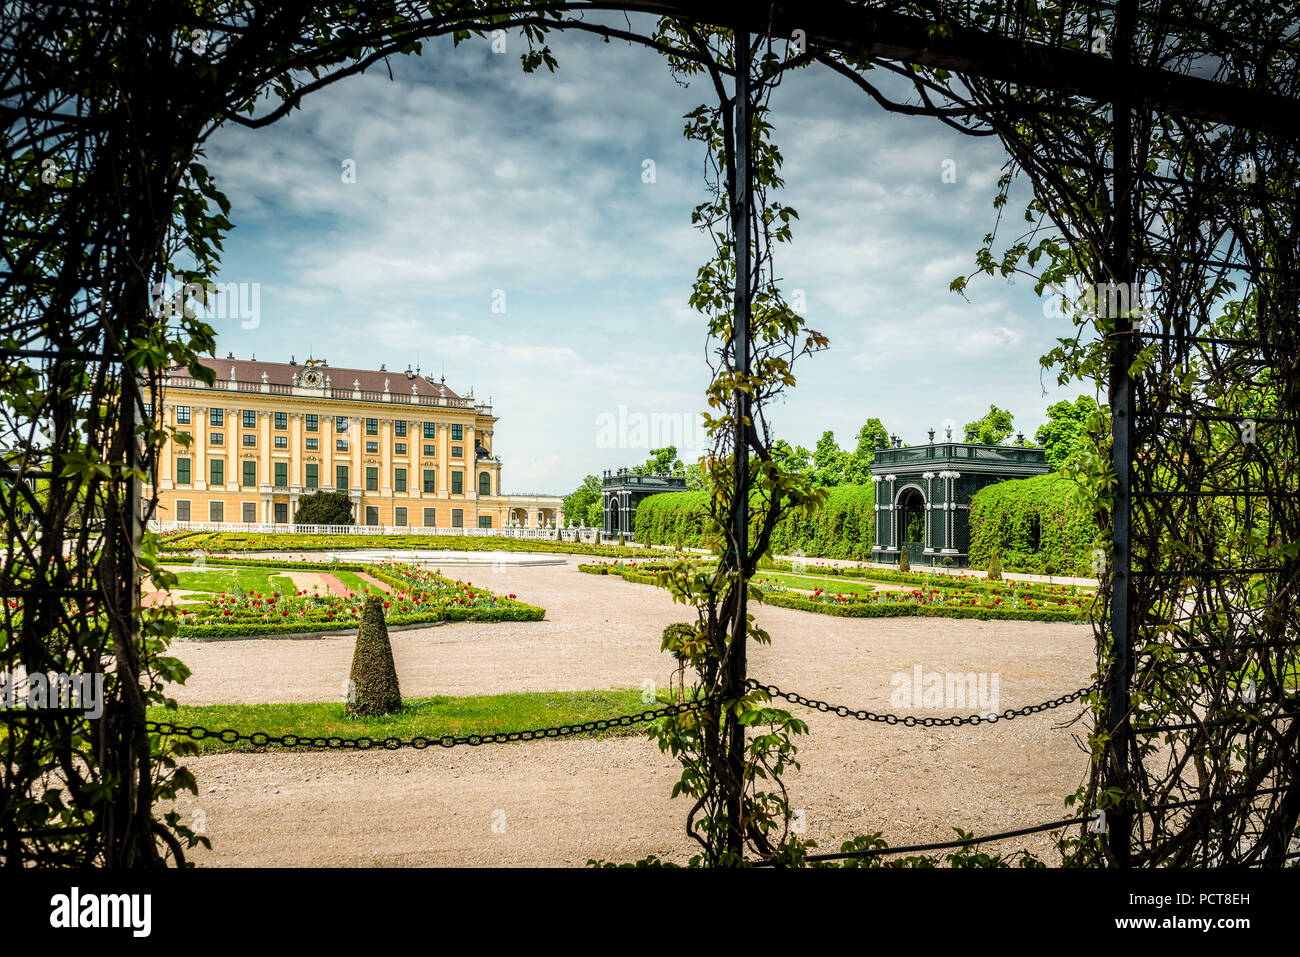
[(843, 528), (1002, 518)]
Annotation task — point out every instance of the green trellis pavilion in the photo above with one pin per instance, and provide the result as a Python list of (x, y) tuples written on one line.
[(923, 494)]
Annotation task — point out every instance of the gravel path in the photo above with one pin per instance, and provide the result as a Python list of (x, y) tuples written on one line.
[(561, 802)]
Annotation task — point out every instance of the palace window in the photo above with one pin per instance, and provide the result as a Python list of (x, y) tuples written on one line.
[(250, 513), (431, 451), (399, 428), (372, 479), (457, 518), (485, 521), (341, 478), (399, 516), (340, 445), (216, 416), (340, 423), (281, 474), (430, 517), (430, 482), (372, 514), (216, 512), (372, 426), (431, 430), (457, 483), (457, 433), (216, 472), (282, 420), (313, 445), (216, 438), (250, 440), (182, 415), (458, 451), (183, 472), (182, 510), (399, 448), (484, 483), (311, 422), (313, 475), (250, 419), (250, 474), (399, 480), (282, 441), (372, 446)]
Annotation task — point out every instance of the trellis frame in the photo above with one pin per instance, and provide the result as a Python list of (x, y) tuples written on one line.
[(61, 598)]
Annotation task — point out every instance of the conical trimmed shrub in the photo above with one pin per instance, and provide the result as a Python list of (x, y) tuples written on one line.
[(995, 568), (904, 559), (373, 690)]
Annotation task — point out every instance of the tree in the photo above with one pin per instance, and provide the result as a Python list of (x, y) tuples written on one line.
[(993, 428), (373, 689), (661, 462), (829, 461), (585, 503), (324, 508), (871, 436), (1063, 436), (797, 460)]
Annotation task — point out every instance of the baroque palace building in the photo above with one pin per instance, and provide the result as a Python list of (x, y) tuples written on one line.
[(408, 451)]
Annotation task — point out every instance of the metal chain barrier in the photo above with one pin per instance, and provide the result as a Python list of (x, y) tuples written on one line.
[(261, 739), (420, 742), (912, 720)]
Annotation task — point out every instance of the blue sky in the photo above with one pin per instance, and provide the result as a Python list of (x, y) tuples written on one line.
[(473, 179)]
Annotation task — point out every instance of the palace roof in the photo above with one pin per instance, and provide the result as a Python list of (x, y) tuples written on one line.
[(282, 373)]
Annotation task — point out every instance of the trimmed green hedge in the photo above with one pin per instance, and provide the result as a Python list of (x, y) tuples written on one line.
[(903, 610), (1002, 519), (842, 528), (647, 576)]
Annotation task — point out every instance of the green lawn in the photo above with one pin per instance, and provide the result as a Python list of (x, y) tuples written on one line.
[(230, 578), (429, 717), (836, 586)]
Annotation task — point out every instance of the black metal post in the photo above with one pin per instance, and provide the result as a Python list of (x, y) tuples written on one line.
[(1119, 825), (741, 200)]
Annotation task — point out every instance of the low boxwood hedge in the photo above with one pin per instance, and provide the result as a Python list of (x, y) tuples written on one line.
[(646, 575), (247, 623)]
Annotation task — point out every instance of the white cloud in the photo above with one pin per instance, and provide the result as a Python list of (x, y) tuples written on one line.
[(473, 177)]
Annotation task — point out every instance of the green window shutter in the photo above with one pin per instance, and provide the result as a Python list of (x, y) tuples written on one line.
[(341, 478), (216, 472), (457, 483), (281, 474), (183, 472), (399, 480), (313, 475)]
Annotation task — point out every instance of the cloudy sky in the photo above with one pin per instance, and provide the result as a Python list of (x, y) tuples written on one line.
[(477, 185)]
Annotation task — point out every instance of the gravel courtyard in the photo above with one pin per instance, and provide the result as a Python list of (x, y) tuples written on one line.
[(560, 802)]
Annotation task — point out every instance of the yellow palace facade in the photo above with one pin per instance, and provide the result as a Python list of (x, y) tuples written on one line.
[(407, 451)]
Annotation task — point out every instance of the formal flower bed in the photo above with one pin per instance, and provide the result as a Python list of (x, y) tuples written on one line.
[(1030, 601), (415, 596)]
